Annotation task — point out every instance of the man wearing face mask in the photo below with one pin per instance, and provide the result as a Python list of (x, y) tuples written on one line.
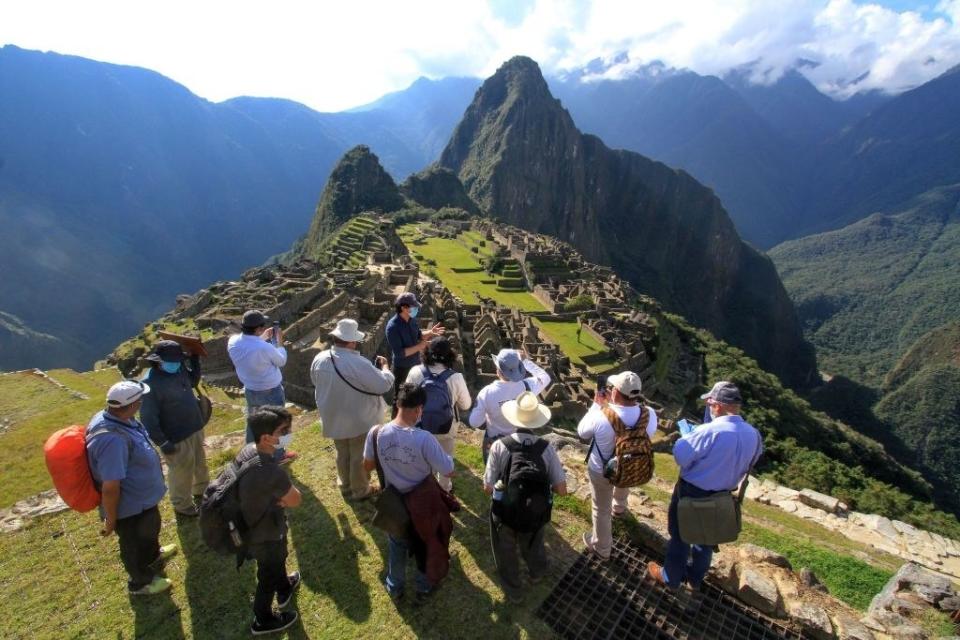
[(407, 341), (173, 419), (265, 492)]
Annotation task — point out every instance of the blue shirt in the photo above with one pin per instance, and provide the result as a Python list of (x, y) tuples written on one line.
[(408, 455), (717, 455), (124, 453), (401, 335)]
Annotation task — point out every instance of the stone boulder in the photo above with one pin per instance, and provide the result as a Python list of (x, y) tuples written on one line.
[(759, 591), (819, 500)]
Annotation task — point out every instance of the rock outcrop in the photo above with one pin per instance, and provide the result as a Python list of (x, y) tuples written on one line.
[(436, 188), (358, 183), (523, 161)]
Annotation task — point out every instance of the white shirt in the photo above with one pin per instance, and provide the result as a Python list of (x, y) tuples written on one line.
[(594, 425), (456, 385), (495, 394), (345, 412), (257, 361)]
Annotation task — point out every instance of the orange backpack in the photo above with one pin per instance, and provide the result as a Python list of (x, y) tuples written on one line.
[(66, 455)]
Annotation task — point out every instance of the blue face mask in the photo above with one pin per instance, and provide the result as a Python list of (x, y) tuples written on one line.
[(414, 311), (170, 367)]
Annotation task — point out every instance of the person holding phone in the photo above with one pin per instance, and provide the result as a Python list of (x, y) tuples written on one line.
[(258, 361), (349, 394)]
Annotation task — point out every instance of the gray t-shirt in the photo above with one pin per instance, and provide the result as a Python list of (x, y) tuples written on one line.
[(499, 453), (408, 455)]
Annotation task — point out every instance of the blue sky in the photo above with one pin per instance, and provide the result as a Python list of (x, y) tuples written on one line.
[(334, 55)]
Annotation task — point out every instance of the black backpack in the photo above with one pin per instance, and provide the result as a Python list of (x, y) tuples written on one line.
[(221, 520), (527, 501), (437, 415)]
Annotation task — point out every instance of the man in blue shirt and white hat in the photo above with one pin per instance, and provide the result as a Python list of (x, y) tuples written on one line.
[(713, 458), (127, 469)]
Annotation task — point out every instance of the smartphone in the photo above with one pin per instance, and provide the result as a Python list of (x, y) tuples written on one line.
[(602, 384), (276, 332)]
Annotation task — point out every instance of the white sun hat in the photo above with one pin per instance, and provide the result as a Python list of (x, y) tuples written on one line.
[(347, 331)]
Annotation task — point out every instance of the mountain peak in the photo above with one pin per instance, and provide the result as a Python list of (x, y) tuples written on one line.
[(522, 159), (358, 183)]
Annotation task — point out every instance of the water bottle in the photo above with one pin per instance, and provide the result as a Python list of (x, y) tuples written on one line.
[(274, 337), (235, 535), (498, 490)]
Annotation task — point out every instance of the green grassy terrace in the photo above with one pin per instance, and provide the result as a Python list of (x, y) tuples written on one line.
[(459, 269)]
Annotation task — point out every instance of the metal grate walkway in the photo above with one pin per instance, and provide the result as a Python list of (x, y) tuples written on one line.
[(616, 600)]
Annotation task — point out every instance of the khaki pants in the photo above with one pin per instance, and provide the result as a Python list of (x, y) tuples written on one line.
[(447, 442), (603, 497), (351, 478), (187, 472)]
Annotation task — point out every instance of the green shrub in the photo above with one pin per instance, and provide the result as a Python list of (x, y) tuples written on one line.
[(583, 302)]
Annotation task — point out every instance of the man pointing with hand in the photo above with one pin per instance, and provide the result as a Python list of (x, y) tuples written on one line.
[(407, 341)]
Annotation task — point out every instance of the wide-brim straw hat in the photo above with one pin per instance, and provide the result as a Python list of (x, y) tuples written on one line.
[(526, 411)]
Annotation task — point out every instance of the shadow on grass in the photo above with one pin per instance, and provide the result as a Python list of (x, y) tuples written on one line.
[(156, 617), (328, 554), (463, 607), (220, 596)]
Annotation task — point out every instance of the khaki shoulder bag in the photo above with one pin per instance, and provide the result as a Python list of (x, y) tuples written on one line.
[(713, 519)]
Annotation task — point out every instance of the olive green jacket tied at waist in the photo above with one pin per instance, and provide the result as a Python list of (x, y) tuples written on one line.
[(351, 402)]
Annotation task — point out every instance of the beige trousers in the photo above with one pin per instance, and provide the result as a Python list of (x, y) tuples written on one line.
[(187, 472), (447, 442), (351, 478), (603, 497)]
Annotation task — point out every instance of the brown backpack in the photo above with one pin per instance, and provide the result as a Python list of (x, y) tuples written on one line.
[(631, 464)]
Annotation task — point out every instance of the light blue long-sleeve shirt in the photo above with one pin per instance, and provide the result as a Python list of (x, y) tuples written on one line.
[(717, 455)]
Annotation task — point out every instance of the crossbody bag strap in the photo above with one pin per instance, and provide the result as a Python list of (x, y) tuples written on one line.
[(376, 457), (742, 493), (333, 361)]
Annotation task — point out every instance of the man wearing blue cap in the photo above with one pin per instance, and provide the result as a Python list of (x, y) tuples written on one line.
[(407, 341), (517, 373), (713, 458)]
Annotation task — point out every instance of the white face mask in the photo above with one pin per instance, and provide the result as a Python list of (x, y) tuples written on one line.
[(714, 414), (285, 441)]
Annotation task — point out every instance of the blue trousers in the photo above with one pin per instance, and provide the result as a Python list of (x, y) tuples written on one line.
[(684, 561), (398, 550), (256, 399)]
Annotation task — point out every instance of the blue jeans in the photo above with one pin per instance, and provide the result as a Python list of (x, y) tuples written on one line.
[(676, 567), (262, 398), (398, 550)]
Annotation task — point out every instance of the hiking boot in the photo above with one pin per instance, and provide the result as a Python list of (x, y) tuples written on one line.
[(588, 542), (167, 551), (288, 457), (655, 571), (190, 512), (283, 620), (295, 580), (158, 585)]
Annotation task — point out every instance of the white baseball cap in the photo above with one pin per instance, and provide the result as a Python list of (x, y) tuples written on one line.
[(627, 383), (126, 392)]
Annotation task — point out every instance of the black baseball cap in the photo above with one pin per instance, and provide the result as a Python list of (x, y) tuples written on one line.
[(253, 319)]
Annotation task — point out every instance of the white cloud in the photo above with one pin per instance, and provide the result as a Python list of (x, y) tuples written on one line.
[(335, 55)]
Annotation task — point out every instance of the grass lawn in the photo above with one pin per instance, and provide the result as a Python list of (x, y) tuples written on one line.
[(449, 255), (341, 556), (564, 334), (38, 411)]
